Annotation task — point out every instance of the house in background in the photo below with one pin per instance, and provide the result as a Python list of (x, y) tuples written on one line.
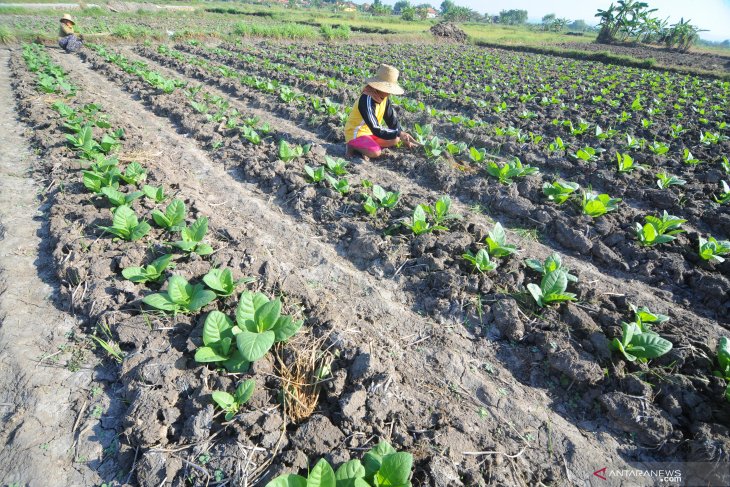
[(431, 13)]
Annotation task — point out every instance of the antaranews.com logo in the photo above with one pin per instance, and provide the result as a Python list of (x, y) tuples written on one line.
[(684, 474), (667, 477)]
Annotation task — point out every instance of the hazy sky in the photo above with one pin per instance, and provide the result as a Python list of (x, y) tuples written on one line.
[(713, 15)]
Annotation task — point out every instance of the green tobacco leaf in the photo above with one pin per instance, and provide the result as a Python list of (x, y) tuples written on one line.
[(246, 309), (536, 293), (285, 328), (217, 326), (288, 480), (321, 475), (394, 470), (723, 355), (160, 301), (374, 457), (224, 400), (244, 391), (350, 470), (554, 283), (265, 316), (649, 345), (207, 355), (200, 297), (253, 345), (179, 290)]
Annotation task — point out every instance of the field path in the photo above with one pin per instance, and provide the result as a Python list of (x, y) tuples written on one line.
[(38, 402)]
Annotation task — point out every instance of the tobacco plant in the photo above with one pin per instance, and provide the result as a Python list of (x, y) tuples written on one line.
[(261, 325), (382, 466), (180, 297), (723, 361), (221, 281), (173, 219), (117, 198), (509, 170), (596, 205), (552, 263), (315, 175), (626, 163), (380, 199), (559, 191), (152, 272), (289, 152), (552, 288), (497, 242), (480, 261), (658, 230), (665, 180), (232, 403), (644, 318), (125, 224), (724, 195), (636, 344), (712, 249), (134, 173), (219, 344), (192, 238)]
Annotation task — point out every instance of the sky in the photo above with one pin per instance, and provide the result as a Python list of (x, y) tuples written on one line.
[(713, 15)]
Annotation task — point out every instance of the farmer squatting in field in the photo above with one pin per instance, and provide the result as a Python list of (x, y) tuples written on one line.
[(67, 38), (364, 130)]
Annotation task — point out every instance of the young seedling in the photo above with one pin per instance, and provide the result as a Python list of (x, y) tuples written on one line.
[(477, 155), (637, 345), (552, 288), (125, 224), (341, 185), (595, 205), (84, 142), (261, 325), (723, 361), (644, 318), (725, 195), (288, 152), (336, 167), (231, 404), (665, 180), (180, 297), (117, 198), (152, 272), (587, 154), (497, 242), (688, 158), (315, 175), (155, 194), (626, 163), (480, 261), (557, 145), (192, 238), (219, 338), (712, 249), (553, 263), (559, 191), (221, 281), (418, 223), (658, 148), (381, 466), (440, 212), (510, 170), (134, 174), (95, 181), (173, 219), (658, 230), (380, 199)]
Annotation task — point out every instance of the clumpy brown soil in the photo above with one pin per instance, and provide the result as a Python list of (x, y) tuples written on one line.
[(448, 30), (459, 368)]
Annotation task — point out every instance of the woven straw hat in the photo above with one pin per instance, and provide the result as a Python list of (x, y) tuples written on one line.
[(386, 80), (67, 17)]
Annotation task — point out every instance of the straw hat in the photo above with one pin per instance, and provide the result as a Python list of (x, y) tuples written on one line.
[(386, 80), (68, 17)]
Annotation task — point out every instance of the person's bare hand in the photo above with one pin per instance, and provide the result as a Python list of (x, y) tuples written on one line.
[(408, 140)]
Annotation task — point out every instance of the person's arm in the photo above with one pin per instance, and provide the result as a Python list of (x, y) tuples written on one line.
[(366, 105), (391, 118)]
